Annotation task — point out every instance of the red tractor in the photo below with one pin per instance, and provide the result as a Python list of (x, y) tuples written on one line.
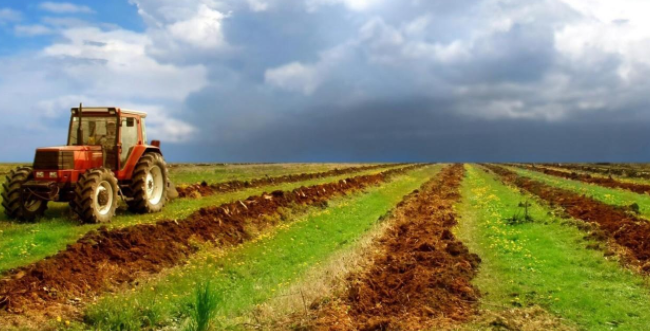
[(106, 158)]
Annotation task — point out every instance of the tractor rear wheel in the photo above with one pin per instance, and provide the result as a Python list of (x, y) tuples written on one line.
[(14, 204), (149, 184), (96, 199)]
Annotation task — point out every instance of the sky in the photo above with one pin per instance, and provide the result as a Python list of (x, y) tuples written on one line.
[(336, 80)]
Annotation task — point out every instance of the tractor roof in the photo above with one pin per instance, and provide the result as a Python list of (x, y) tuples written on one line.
[(110, 110)]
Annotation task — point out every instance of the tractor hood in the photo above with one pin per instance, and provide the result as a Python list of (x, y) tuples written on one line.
[(68, 157), (69, 148)]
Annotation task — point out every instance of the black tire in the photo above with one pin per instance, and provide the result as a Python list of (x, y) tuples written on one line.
[(12, 197), (143, 185), (96, 197)]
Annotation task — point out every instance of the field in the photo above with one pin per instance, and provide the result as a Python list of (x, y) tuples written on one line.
[(346, 247)]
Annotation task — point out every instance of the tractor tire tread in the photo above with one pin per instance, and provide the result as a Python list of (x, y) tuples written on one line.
[(83, 202), (11, 191), (139, 203)]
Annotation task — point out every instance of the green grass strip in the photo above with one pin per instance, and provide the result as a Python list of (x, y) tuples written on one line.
[(544, 262), (254, 272), (610, 196), (24, 243)]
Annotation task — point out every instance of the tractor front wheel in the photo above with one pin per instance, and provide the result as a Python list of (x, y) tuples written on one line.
[(96, 197), (15, 204), (149, 184)]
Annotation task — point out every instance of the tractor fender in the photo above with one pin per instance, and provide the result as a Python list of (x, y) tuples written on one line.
[(127, 169)]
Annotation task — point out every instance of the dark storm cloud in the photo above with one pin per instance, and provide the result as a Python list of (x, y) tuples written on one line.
[(387, 97), (377, 132)]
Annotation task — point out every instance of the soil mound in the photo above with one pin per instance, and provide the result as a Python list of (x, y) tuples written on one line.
[(586, 178), (421, 276), (203, 189)]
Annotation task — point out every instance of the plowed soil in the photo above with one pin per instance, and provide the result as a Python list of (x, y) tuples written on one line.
[(586, 178), (420, 276), (109, 257), (204, 189), (618, 170), (614, 223)]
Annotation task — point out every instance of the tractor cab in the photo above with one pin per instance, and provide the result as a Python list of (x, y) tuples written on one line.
[(107, 155), (116, 132)]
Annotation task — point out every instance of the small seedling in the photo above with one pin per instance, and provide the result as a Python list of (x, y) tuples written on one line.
[(519, 217)]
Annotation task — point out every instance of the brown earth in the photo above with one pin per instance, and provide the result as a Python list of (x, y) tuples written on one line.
[(106, 258), (586, 178), (420, 276), (614, 223), (205, 189), (617, 170)]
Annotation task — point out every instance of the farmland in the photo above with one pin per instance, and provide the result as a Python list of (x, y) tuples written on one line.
[(346, 247)]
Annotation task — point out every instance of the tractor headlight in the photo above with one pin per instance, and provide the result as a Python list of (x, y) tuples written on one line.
[(40, 174), (53, 174)]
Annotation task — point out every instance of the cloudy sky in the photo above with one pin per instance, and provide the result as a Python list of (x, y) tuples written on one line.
[(337, 80)]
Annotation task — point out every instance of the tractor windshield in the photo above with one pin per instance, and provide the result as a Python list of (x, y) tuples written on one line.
[(96, 131)]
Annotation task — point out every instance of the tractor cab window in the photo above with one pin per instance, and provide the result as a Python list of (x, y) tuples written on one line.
[(129, 129), (96, 131), (144, 131)]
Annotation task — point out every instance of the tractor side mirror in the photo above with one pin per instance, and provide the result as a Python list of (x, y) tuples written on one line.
[(155, 143)]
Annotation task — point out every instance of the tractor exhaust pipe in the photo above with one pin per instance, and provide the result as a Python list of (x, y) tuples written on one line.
[(80, 131)]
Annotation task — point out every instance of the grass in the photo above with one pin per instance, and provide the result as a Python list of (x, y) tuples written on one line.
[(610, 196), (545, 262), (216, 173), (5, 168), (253, 273), (203, 311), (23, 243)]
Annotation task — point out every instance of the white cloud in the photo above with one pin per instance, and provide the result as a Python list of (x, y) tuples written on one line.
[(454, 52), (8, 15), (32, 30), (162, 123), (168, 129), (619, 28), (380, 34), (355, 5), (64, 8), (608, 11), (306, 78), (98, 67), (119, 66), (184, 31), (387, 44), (294, 77), (203, 30), (258, 5)]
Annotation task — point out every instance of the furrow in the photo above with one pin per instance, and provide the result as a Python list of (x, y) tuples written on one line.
[(586, 178), (421, 276), (617, 170), (205, 189)]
